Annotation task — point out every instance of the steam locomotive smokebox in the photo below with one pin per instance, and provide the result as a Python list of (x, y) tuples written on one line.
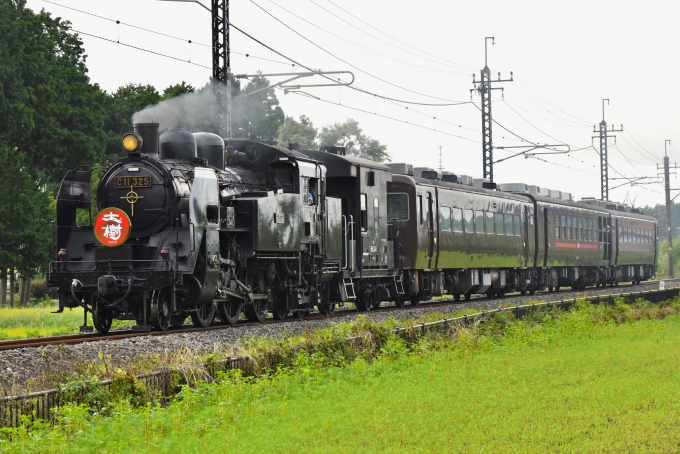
[(149, 134), (178, 144), (211, 147)]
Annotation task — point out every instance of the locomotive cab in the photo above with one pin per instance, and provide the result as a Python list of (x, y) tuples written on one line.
[(368, 271)]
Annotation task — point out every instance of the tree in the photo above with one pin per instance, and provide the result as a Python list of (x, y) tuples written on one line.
[(258, 115), (292, 131), (176, 90), (26, 209), (49, 110), (120, 107), (350, 136)]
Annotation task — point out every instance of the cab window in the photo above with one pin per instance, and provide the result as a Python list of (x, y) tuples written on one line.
[(397, 206)]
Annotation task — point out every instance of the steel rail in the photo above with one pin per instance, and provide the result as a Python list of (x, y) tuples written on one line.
[(127, 334)]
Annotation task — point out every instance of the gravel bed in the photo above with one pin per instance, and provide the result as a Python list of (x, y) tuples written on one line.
[(19, 365)]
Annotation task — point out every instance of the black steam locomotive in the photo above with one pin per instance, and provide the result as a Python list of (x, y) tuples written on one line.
[(180, 234)]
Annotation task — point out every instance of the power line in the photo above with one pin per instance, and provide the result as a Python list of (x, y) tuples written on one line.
[(532, 125), (349, 64), (638, 151), (142, 49), (307, 95), (402, 42), (158, 33), (353, 87), (239, 53), (360, 46), (384, 41), (578, 123), (547, 119), (625, 157), (128, 25), (559, 165), (548, 102)]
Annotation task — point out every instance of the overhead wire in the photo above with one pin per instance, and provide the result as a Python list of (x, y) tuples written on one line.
[(383, 116), (363, 47), (387, 42), (156, 33), (548, 102), (330, 102), (534, 126), (240, 53), (398, 40), (630, 179), (142, 49), (353, 87), (577, 123), (449, 101), (573, 125)]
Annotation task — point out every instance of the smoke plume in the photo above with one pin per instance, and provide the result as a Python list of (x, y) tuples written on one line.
[(191, 111)]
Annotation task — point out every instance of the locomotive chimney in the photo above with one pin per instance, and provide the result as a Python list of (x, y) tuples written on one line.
[(149, 134)]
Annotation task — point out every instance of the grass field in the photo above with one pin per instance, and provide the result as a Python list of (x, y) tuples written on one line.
[(574, 383), (36, 321)]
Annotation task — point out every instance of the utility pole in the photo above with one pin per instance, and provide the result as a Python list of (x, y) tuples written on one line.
[(221, 54), (484, 88), (667, 185), (604, 165), (441, 164)]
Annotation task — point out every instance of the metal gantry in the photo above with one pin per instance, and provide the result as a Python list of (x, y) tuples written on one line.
[(604, 163), (221, 66), (483, 87)]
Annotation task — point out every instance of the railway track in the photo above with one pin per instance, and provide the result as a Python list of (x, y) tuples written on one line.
[(341, 312)]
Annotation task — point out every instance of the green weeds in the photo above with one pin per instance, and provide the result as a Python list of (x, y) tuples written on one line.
[(595, 378), (38, 321)]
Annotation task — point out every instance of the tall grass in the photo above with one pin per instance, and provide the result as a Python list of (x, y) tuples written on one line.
[(595, 379), (38, 321)]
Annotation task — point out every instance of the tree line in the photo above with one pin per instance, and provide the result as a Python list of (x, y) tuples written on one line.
[(53, 118)]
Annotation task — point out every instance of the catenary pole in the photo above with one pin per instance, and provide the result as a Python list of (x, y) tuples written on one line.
[(484, 88), (667, 185)]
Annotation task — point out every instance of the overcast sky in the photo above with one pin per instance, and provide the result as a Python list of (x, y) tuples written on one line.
[(566, 57)]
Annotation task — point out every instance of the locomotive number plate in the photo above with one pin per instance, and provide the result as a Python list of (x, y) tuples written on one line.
[(138, 181)]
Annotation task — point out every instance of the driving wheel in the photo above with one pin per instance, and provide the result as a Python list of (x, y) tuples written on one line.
[(230, 311), (204, 316), (160, 309)]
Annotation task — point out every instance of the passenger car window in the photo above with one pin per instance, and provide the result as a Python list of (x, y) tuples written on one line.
[(517, 225), (557, 227), (420, 209), (469, 221), (498, 221), (364, 215), (397, 206), (508, 224), (563, 225), (457, 220), (376, 213), (445, 216), (479, 221), (489, 222), (568, 228)]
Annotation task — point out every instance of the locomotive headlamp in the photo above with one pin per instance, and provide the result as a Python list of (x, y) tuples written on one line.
[(132, 142)]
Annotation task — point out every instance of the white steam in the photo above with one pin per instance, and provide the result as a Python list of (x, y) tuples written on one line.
[(194, 112)]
